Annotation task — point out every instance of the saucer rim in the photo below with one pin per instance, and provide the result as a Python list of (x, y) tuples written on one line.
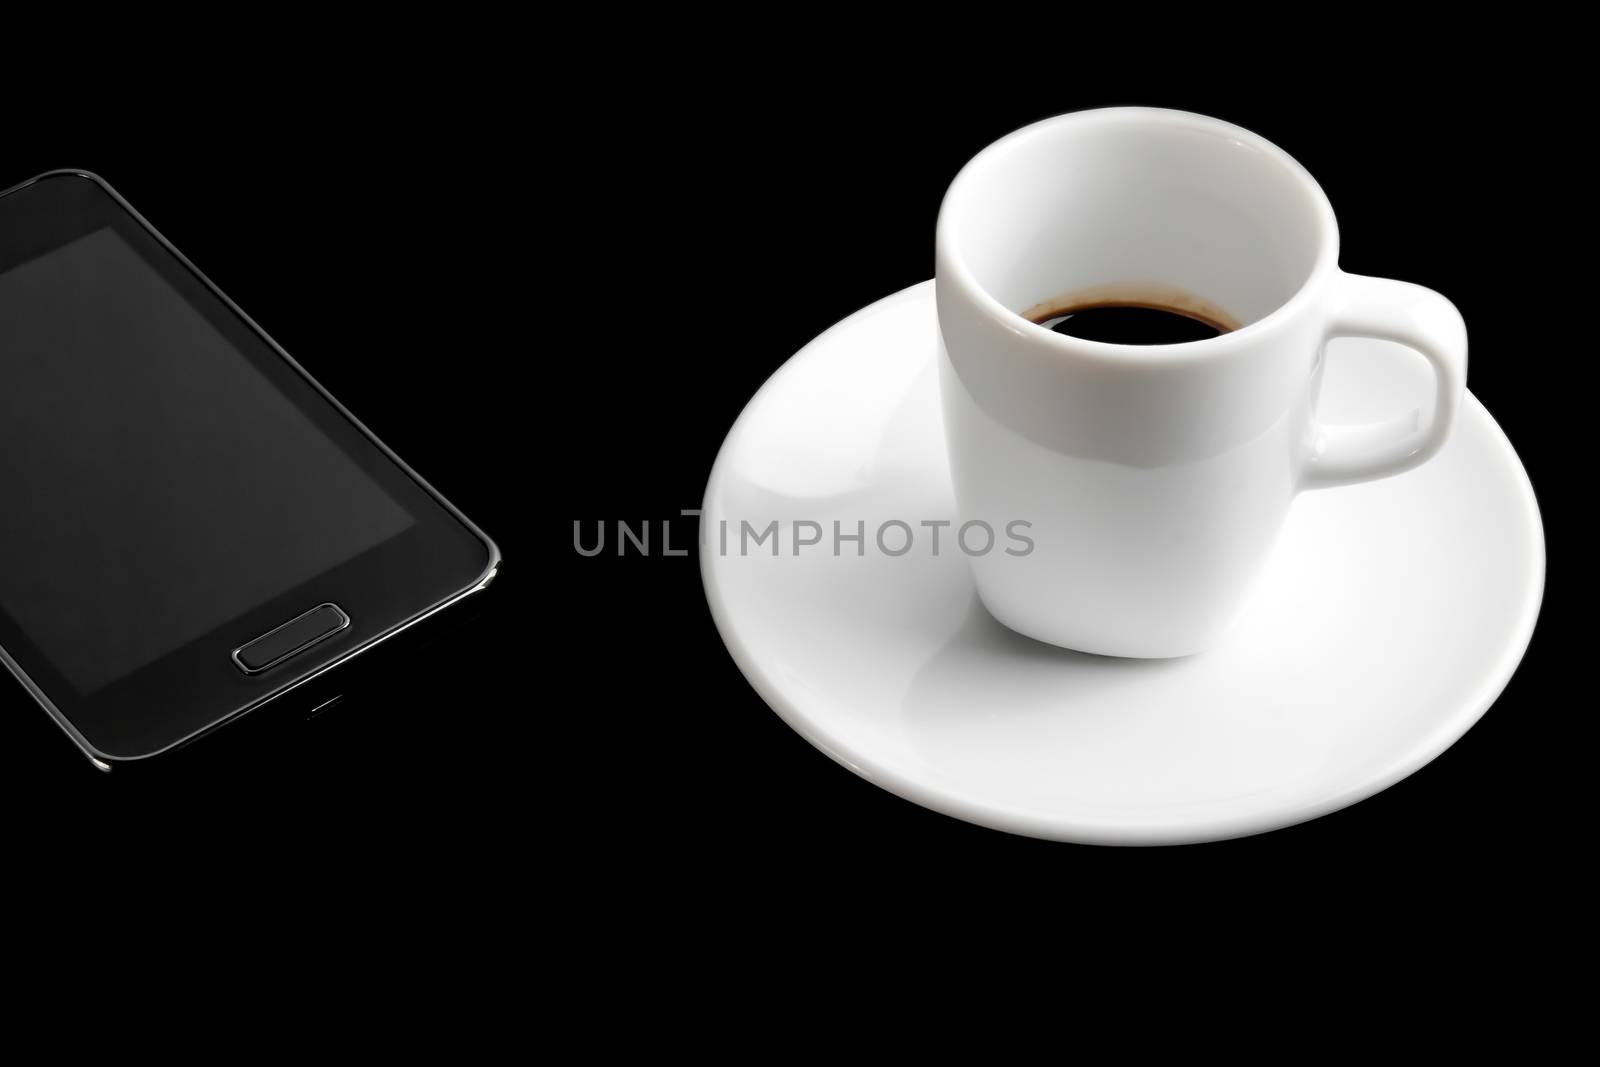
[(1109, 830)]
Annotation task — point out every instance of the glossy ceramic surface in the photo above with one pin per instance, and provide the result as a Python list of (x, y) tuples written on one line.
[(1388, 616), (1156, 480)]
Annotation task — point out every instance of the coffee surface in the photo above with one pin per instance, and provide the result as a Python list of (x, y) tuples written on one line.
[(1130, 324)]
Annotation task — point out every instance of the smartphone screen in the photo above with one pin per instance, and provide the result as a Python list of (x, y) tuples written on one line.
[(153, 482)]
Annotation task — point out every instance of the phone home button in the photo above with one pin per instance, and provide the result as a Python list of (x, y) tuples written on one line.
[(290, 639)]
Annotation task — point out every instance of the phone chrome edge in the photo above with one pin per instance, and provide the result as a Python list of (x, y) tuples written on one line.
[(105, 761)]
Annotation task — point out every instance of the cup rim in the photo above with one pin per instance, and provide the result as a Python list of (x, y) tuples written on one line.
[(952, 267)]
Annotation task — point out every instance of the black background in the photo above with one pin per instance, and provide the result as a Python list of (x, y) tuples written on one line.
[(554, 301)]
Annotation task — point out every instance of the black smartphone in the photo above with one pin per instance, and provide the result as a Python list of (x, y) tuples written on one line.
[(190, 526)]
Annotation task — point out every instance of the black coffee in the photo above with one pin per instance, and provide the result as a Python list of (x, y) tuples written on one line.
[(1131, 324)]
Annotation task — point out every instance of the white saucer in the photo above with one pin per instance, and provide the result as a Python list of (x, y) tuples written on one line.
[(1390, 617)]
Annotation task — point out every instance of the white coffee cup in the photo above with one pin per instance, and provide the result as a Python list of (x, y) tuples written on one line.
[(1155, 479)]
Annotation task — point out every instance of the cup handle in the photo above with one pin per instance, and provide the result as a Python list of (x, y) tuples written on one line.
[(1420, 319)]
